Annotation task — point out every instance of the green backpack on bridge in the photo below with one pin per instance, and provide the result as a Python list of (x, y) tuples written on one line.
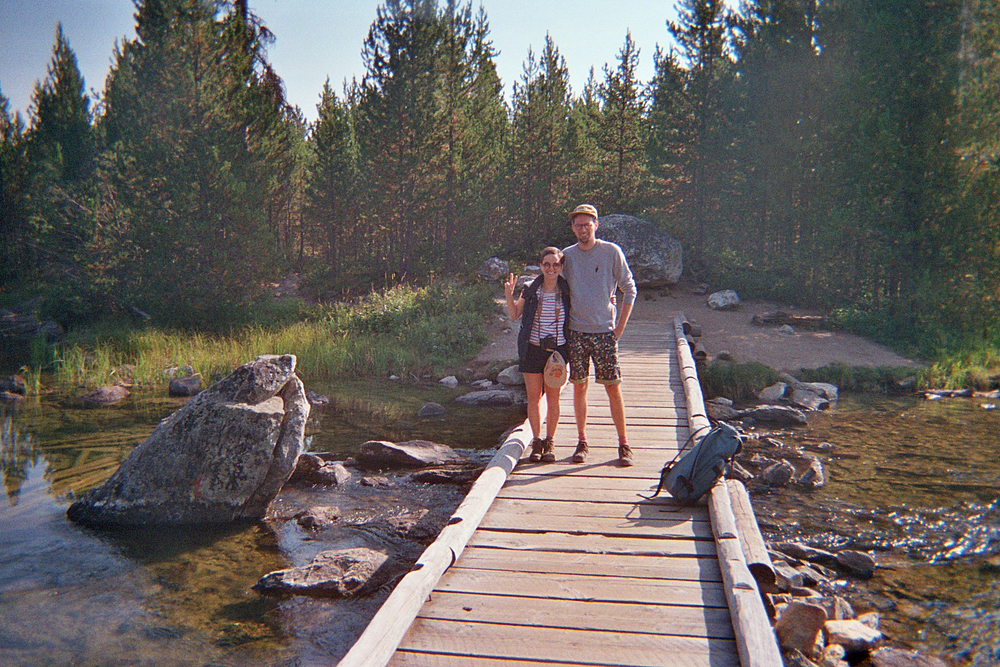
[(689, 478)]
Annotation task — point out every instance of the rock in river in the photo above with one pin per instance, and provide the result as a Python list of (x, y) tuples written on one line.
[(381, 455), (222, 457), (338, 573)]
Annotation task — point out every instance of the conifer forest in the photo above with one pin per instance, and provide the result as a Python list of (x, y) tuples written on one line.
[(842, 154)]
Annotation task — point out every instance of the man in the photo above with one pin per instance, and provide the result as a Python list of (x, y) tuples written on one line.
[(595, 270)]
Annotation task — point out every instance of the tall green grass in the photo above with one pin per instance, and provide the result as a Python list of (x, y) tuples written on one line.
[(400, 330)]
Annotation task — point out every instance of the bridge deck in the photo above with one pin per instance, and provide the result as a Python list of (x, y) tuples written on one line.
[(570, 566)]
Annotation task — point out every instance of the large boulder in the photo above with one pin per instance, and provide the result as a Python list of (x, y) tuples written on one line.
[(493, 269), (222, 457), (654, 256)]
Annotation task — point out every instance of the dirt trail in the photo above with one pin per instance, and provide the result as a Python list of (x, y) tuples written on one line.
[(733, 331)]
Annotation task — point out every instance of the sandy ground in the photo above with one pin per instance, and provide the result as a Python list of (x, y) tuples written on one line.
[(731, 331)]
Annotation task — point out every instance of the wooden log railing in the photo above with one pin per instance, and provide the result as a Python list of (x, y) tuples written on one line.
[(755, 639)]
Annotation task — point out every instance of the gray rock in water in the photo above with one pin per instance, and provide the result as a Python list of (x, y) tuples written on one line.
[(854, 636), (311, 469), (808, 400), (655, 257), (492, 397), (724, 300), (856, 563), (814, 477), (10, 398), (805, 552), (105, 395), (779, 474), (220, 458), (450, 381), (799, 627), (775, 414), (773, 393), (185, 386), (381, 455), (897, 657), (317, 518), (339, 573), (720, 412), (828, 391)]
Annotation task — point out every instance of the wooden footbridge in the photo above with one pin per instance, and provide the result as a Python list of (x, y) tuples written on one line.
[(564, 564)]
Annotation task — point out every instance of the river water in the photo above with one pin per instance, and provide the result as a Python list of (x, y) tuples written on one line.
[(74, 596), (914, 482)]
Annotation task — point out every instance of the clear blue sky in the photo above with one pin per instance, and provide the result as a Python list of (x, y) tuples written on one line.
[(316, 39)]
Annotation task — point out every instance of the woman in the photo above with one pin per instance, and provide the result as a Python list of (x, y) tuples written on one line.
[(543, 307)]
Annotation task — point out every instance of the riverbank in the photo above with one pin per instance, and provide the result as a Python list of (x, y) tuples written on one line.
[(732, 331)]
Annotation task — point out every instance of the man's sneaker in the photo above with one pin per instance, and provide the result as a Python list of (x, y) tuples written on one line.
[(548, 456), (624, 456), (536, 450), (580, 455)]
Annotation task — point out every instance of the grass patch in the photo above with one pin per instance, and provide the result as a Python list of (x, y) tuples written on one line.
[(885, 380), (736, 381), (399, 330)]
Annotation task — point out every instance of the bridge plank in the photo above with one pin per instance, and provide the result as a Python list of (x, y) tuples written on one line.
[(609, 565), (678, 620), (497, 641)]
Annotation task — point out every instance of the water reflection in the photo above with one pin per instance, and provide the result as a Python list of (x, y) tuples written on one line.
[(71, 595)]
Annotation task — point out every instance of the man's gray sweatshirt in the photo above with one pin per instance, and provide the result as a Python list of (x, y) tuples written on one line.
[(594, 275)]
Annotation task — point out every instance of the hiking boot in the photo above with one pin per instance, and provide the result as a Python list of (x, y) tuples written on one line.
[(536, 450), (580, 455), (548, 456), (624, 456)]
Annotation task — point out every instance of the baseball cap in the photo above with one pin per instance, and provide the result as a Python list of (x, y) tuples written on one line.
[(586, 209)]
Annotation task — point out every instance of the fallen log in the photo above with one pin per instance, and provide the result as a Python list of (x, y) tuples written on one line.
[(780, 317)]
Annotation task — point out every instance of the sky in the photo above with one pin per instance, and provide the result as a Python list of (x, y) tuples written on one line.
[(317, 39)]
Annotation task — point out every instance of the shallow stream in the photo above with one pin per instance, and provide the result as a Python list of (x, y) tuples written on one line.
[(74, 596), (913, 481), (916, 483)]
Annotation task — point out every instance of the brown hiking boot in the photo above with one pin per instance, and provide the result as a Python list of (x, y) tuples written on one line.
[(580, 455), (624, 456), (548, 456), (536, 450)]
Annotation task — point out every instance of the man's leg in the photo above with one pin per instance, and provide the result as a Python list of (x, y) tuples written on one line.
[(608, 373), (617, 404), (580, 409)]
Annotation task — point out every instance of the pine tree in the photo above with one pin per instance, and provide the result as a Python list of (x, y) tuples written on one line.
[(331, 198), (541, 167), (700, 35), (13, 175), (59, 150), (622, 134), (777, 102), (586, 179), (190, 124), (670, 124)]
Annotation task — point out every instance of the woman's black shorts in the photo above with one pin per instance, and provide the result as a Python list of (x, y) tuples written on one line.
[(535, 358)]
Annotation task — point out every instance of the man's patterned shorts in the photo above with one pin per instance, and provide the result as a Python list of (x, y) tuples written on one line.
[(602, 348)]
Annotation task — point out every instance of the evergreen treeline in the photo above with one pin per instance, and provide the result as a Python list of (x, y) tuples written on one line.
[(840, 153)]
